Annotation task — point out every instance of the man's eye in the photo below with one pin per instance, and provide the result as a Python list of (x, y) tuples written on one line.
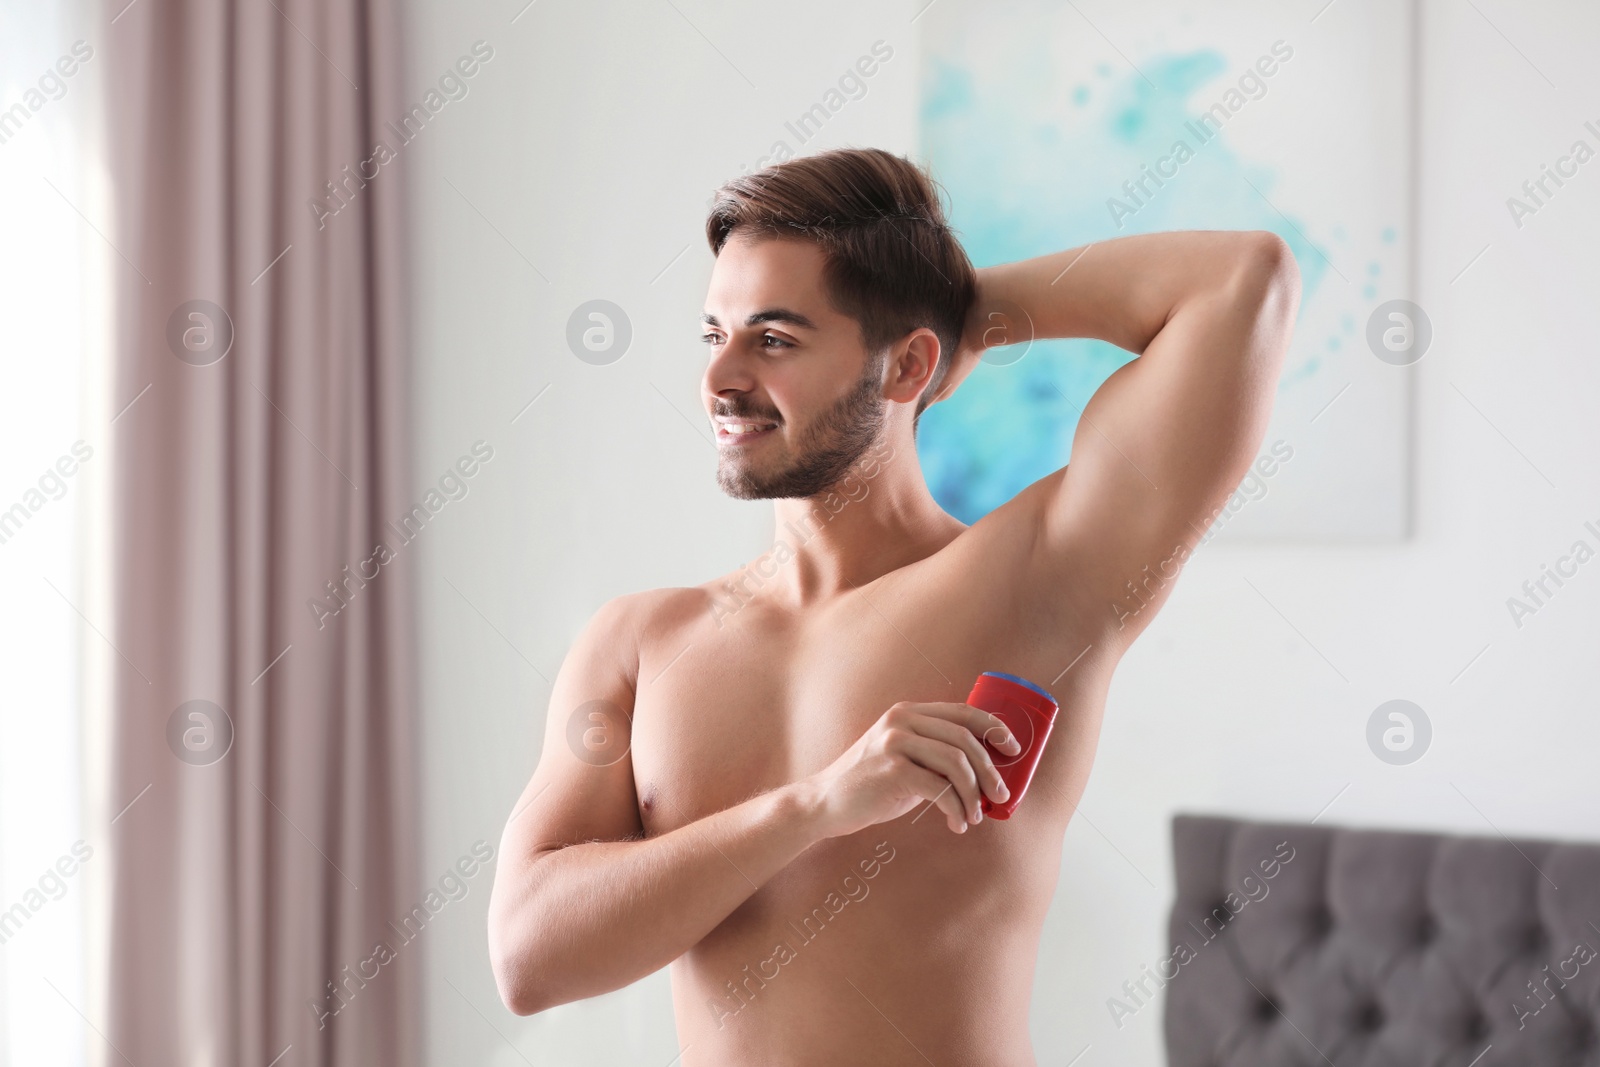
[(716, 339)]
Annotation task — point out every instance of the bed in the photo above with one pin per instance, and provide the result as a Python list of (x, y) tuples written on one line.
[(1295, 944)]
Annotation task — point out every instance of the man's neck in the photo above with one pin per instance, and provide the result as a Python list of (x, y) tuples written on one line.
[(865, 527)]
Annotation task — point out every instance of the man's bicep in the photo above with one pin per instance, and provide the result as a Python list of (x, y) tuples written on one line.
[(1163, 443), (582, 789)]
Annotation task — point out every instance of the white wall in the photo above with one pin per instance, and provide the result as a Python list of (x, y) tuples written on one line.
[(591, 142)]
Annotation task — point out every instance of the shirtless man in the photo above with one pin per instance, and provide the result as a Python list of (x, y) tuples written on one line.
[(735, 777)]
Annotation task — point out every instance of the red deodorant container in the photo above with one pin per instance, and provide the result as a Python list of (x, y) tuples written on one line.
[(1028, 712)]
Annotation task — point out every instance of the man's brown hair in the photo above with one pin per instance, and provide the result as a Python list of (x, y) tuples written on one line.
[(891, 260)]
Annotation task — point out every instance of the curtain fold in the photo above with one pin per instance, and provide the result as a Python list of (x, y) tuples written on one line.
[(263, 742)]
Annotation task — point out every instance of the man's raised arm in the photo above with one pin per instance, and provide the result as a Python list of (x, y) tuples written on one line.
[(1166, 438)]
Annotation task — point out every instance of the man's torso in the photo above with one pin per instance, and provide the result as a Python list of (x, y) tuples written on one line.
[(882, 946)]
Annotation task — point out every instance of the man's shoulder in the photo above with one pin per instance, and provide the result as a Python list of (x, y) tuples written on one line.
[(620, 633), (634, 616)]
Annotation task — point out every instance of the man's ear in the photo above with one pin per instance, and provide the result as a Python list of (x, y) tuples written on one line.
[(913, 361)]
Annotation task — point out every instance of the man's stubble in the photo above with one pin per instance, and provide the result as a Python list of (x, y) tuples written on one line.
[(829, 448)]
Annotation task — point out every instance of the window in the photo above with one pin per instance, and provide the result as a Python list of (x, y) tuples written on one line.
[(53, 303)]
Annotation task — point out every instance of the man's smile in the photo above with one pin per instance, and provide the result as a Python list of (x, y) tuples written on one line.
[(731, 431)]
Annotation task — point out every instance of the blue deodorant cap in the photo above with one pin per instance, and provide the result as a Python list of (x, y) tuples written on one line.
[(1021, 681)]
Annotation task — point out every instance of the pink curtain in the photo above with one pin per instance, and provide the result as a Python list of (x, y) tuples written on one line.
[(263, 778)]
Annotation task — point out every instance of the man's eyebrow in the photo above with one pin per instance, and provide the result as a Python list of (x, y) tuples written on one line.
[(794, 318)]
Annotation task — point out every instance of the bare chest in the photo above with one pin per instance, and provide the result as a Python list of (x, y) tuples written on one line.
[(737, 704)]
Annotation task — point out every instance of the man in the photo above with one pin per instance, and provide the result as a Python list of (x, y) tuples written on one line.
[(737, 778)]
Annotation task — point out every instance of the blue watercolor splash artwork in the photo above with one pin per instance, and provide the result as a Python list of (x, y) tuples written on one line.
[(1028, 149)]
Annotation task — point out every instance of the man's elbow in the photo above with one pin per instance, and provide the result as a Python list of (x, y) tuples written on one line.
[(520, 1001), (523, 1001), (1263, 292), (513, 940), (514, 975), (1269, 274)]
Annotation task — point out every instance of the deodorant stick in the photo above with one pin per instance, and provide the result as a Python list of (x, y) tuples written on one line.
[(1028, 712)]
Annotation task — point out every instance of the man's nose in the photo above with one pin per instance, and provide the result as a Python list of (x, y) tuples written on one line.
[(730, 370)]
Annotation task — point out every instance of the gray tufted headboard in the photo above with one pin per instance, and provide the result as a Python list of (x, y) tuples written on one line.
[(1308, 945)]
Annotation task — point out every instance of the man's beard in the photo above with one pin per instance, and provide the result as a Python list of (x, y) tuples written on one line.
[(829, 448)]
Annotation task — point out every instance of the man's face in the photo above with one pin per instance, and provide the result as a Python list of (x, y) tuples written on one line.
[(794, 398)]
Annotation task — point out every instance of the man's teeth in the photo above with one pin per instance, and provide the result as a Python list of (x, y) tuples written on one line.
[(741, 427)]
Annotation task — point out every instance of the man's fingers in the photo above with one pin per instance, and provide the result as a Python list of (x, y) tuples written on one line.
[(949, 762), (989, 728), (961, 737), (938, 792)]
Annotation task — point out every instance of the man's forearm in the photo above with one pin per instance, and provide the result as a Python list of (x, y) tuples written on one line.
[(586, 919), (1122, 290)]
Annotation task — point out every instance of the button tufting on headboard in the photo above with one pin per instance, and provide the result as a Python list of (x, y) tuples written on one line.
[(1369, 1016), (1307, 945)]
